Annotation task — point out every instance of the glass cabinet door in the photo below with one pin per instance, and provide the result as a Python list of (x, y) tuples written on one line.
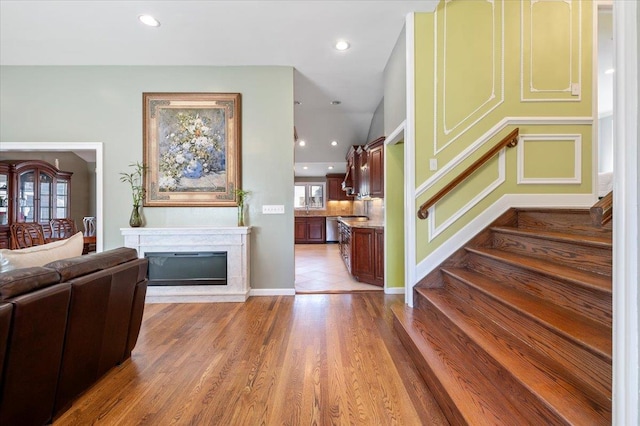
[(62, 198), (26, 197), (46, 195), (4, 199)]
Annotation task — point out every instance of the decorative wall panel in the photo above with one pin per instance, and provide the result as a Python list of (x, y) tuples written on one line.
[(549, 159), (478, 49), (551, 46)]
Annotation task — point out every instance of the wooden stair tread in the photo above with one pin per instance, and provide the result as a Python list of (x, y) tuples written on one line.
[(588, 279), (465, 386), (601, 240), (522, 362), (587, 332)]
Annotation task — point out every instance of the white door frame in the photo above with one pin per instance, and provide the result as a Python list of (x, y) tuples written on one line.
[(626, 215)]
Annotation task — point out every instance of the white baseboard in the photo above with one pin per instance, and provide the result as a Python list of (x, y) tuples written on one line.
[(272, 292), (485, 218), (394, 290)]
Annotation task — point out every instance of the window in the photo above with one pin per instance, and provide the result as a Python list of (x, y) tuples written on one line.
[(309, 195)]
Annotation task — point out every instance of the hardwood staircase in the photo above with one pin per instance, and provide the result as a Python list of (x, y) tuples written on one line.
[(515, 328)]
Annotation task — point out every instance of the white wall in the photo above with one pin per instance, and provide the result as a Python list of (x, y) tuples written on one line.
[(395, 85), (104, 104)]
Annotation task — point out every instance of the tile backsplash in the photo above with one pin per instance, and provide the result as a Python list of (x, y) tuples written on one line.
[(334, 208), (373, 209)]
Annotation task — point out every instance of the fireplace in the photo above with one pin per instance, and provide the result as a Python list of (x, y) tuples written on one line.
[(187, 268), (182, 244)]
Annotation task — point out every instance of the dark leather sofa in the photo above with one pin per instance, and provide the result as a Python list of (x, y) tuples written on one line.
[(62, 327)]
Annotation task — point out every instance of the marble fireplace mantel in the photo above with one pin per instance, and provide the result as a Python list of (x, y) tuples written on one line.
[(234, 240)]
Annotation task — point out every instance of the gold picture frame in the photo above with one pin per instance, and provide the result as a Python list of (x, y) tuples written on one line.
[(192, 149)]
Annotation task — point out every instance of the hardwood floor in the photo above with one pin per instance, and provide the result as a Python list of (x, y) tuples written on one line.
[(304, 360)]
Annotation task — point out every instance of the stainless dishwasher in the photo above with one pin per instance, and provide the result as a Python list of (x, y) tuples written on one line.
[(332, 229)]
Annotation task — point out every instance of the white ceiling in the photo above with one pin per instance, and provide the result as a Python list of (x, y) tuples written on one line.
[(297, 33)]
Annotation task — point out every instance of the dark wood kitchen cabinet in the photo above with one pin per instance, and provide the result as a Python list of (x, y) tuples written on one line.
[(365, 170), (367, 255), (310, 230), (375, 168), (334, 188)]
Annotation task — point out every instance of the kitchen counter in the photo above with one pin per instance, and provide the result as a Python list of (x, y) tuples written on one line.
[(355, 223)]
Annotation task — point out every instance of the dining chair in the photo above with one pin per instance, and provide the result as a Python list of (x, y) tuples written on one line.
[(62, 228), (26, 234)]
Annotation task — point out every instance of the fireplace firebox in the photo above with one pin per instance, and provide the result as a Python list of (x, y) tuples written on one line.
[(187, 268)]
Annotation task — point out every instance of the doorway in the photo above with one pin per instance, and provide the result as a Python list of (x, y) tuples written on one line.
[(91, 152), (605, 75)]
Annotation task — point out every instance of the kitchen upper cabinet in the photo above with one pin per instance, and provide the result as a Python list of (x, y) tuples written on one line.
[(362, 173), (310, 230), (365, 170), (334, 188), (375, 168)]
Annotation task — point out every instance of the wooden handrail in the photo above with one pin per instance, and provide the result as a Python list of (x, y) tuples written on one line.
[(509, 141), (602, 211)]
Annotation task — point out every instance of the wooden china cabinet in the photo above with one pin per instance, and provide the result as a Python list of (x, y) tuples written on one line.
[(31, 191)]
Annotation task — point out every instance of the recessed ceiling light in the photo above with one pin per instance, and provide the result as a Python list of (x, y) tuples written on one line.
[(336, 102), (610, 71), (342, 45), (330, 167), (297, 103), (149, 20), (302, 143), (305, 167), (334, 143)]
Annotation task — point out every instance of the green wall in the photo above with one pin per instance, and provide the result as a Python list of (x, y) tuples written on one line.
[(481, 64), (104, 104)]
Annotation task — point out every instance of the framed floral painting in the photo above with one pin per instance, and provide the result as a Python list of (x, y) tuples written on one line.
[(191, 148)]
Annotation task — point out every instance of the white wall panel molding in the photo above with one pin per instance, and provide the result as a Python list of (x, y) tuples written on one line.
[(495, 96), (489, 135), (410, 166), (434, 230), (485, 218), (550, 138), (530, 91), (397, 135)]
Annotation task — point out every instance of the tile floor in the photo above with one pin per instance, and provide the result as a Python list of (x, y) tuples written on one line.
[(320, 269)]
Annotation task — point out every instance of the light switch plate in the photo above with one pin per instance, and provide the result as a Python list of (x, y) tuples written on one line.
[(273, 209), (433, 164), (575, 89)]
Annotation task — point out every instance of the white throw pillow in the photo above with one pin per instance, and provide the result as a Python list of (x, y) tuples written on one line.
[(41, 255)]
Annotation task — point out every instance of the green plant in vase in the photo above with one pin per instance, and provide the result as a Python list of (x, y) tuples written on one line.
[(138, 193), (241, 195)]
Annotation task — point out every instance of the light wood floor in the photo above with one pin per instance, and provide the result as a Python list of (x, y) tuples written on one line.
[(320, 269), (287, 360)]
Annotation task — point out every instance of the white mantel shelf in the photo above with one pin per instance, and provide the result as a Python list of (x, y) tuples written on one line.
[(232, 239)]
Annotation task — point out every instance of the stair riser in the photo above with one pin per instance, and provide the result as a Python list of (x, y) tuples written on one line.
[(588, 302), (475, 356), (582, 366), (593, 259), (571, 221)]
